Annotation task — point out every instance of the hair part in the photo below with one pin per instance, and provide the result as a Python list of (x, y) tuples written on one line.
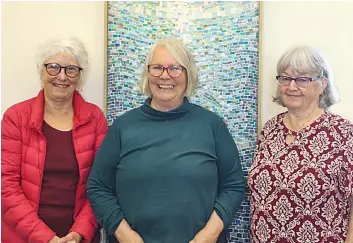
[(309, 60), (182, 55), (64, 44)]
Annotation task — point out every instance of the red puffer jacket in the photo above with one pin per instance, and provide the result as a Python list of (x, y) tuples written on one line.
[(23, 148)]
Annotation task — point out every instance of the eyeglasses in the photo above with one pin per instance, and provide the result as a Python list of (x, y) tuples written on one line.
[(300, 81), (54, 69), (174, 71)]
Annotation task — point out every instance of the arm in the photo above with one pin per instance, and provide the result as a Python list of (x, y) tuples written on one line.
[(17, 211), (347, 172), (231, 185), (101, 190), (349, 238), (85, 223)]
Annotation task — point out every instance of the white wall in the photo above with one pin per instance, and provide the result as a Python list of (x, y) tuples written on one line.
[(27, 24), (327, 25)]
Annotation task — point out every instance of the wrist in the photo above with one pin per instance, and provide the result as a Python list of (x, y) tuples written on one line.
[(122, 230), (213, 229), (78, 236), (215, 224)]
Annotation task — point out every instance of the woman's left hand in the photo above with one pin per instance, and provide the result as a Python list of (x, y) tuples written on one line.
[(72, 237), (205, 236)]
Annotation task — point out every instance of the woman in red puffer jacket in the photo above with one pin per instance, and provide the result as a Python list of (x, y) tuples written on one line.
[(48, 144)]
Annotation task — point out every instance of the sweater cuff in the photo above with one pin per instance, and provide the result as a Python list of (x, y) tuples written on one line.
[(222, 214), (112, 227)]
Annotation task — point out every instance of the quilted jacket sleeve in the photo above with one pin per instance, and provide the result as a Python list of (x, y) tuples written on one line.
[(17, 211), (85, 223)]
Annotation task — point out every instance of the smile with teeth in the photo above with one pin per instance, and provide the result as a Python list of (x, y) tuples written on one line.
[(166, 86), (61, 85)]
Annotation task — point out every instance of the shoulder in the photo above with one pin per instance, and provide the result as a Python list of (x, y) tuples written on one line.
[(272, 124), (21, 110), (204, 114), (337, 123), (94, 109), (128, 117)]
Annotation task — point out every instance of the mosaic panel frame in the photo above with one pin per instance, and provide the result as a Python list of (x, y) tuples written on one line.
[(224, 39)]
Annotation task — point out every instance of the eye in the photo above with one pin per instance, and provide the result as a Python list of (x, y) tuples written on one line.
[(53, 66), (175, 68), (157, 68), (303, 79), (72, 68), (285, 78)]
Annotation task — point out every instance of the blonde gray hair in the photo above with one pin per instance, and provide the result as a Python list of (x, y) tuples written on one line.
[(182, 55), (310, 60), (64, 44)]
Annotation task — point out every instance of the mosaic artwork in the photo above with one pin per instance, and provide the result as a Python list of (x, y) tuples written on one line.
[(223, 37)]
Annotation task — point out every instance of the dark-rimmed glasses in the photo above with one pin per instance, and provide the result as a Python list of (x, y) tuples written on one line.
[(174, 71), (54, 69), (300, 81)]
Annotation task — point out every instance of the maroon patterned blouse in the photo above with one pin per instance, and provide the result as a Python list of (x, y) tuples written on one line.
[(300, 192)]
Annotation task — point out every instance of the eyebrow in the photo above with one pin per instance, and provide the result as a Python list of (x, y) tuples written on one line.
[(299, 74)]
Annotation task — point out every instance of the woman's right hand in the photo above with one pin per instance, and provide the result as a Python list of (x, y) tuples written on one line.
[(55, 239), (125, 234)]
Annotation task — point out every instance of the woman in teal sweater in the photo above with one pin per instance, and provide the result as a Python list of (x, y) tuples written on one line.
[(168, 171)]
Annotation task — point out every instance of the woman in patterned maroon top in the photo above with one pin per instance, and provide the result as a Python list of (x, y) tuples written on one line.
[(301, 180)]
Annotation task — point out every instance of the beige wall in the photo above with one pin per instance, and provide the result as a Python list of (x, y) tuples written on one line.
[(327, 25), (27, 24)]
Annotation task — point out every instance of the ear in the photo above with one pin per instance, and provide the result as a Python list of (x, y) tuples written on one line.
[(323, 85)]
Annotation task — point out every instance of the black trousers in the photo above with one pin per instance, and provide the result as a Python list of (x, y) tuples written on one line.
[(221, 239)]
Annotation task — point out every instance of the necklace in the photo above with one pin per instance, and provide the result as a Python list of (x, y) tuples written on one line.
[(300, 126), (292, 133)]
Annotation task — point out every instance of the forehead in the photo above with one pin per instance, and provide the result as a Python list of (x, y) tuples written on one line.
[(294, 72), (161, 55), (64, 58)]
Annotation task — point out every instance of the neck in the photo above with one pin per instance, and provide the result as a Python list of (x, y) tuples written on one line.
[(58, 108), (297, 120), (165, 106)]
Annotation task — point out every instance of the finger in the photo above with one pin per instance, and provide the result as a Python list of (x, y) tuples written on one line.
[(193, 241), (65, 240)]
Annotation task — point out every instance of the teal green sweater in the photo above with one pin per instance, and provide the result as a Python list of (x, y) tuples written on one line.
[(165, 172)]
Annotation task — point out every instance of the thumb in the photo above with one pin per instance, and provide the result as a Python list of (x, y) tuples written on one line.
[(193, 241)]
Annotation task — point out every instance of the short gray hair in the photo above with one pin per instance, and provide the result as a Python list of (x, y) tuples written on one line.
[(64, 44), (307, 59), (182, 55)]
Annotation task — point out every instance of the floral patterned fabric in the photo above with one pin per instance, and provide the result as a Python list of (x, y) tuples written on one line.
[(300, 192)]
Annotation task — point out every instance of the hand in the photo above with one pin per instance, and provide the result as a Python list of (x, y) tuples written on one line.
[(205, 236), (125, 234), (55, 239), (72, 237)]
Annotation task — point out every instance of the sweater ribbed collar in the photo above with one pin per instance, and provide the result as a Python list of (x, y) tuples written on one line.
[(166, 115)]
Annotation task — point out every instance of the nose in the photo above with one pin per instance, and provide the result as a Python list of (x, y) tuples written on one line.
[(62, 74), (165, 74), (293, 85)]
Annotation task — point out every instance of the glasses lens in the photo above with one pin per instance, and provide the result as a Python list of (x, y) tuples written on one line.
[(303, 81), (155, 70), (72, 71), (175, 71), (284, 80), (53, 69)]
